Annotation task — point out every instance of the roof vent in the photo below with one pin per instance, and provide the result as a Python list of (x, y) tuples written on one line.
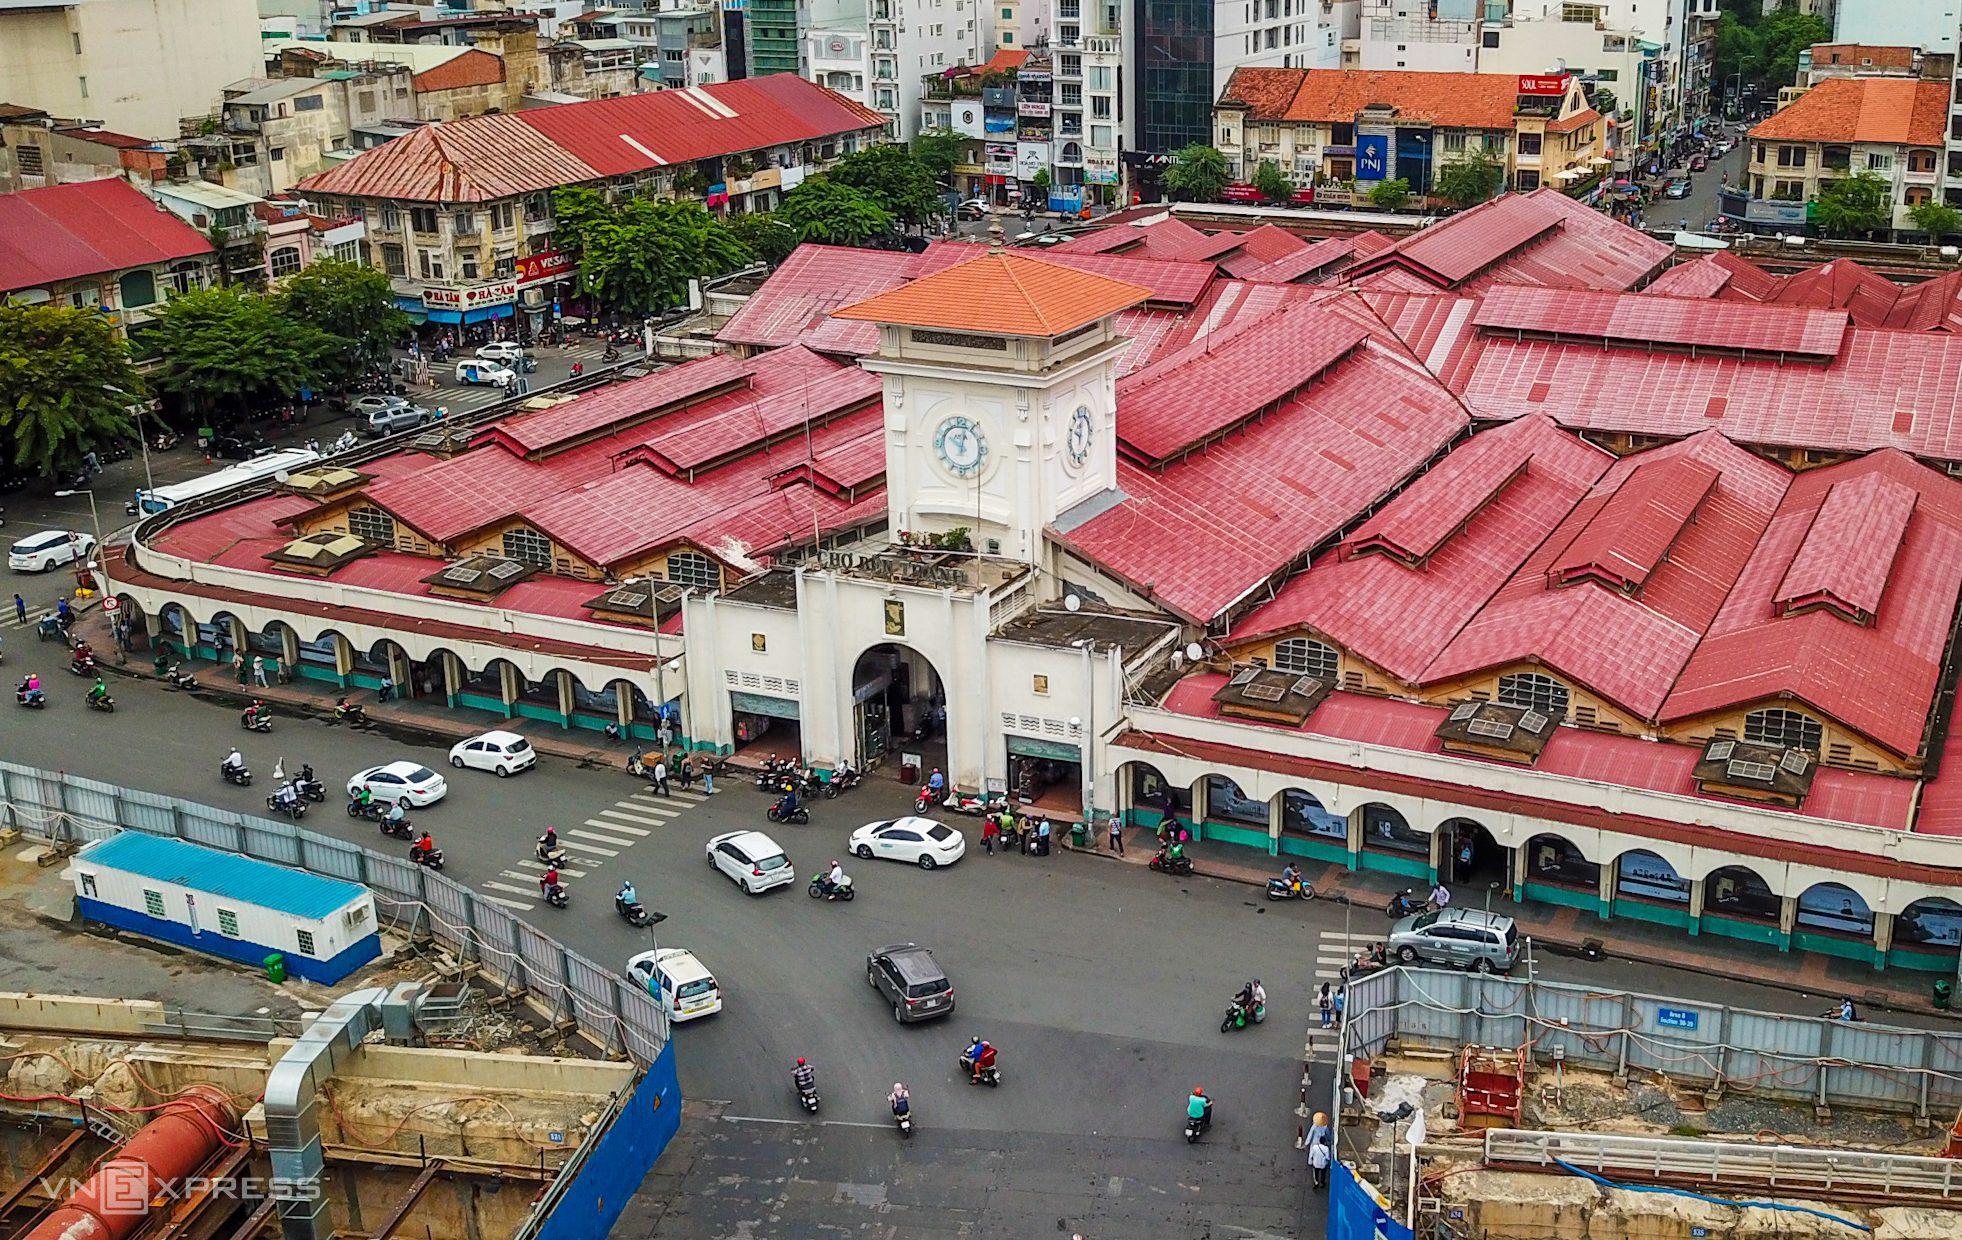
[(1757, 772), (1495, 730)]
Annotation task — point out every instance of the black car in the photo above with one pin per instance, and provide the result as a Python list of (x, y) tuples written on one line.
[(912, 981), (239, 445)]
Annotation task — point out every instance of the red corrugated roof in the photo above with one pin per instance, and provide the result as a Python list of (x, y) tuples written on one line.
[(481, 158), (1317, 258), (1699, 277), (1846, 555), (708, 441), (1647, 320), (597, 411), (1167, 237), (1626, 538), (1502, 242), (65, 232)]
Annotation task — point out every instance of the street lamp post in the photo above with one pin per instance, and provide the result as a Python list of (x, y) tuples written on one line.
[(95, 521)]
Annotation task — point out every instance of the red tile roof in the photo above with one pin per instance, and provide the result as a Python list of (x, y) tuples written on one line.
[(65, 232), (475, 67), (1633, 318), (1449, 100), (1166, 237), (1844, 560), (482, 158), (1626, 538), (1901, 111), (1006, 293)]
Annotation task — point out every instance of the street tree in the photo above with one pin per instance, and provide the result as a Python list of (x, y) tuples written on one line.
[(764, 235), (825, 211), (1763, 48), (226, 351), (897, 181), (1854, 206), (637, 256), (1937, 219), (351, 302), (1469, 179), (1272, 183), (1390, 194), (938, 150), (66, 386), (1197, 173)]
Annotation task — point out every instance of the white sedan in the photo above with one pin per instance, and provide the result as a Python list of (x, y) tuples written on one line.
[(506, 753), (916, 841), (501, 351), (411, 783), (678, 981), (751, 860)]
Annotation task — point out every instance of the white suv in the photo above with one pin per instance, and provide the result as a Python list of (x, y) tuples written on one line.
[(751, 860), (37, 553)]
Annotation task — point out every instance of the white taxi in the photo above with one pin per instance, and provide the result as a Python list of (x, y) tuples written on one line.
[(684, 988)]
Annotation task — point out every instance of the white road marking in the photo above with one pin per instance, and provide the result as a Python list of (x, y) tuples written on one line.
[(540, 866), (630, 817), (516, 891), (641, 805), (604, 852), (604, 825), (813, 1123), (514, 905)]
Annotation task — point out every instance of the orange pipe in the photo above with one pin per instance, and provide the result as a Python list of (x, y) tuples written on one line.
[(115, 1201)]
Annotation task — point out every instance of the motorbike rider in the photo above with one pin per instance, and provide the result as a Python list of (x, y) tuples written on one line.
[(1291, 878), (364, 796), (899, 1100), (288, 795), (787, 803), (234, 761), (1258, 994), (424, 845), (979, 1056), (1244, 999), (627, 896), (548, 882), (306, 779), (1440, 894), (834, 878), (936, 784), (805, 1077), (99, 691), (1175, 851), (1199, 1106), (395, 816), (548, 843)]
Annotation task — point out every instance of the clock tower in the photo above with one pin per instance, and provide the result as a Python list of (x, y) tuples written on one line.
[(1000, 396)]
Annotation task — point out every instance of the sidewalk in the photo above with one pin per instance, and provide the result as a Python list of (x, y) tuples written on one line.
[(1566, 931)]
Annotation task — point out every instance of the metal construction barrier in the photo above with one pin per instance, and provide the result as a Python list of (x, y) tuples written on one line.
[(565, 987), (1791, 1170), (1773, 1054)]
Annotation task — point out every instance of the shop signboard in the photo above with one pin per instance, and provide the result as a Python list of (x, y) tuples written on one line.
[(450, 297), (1372, 157), (542, 268), (1546, 84), (1031, 158)]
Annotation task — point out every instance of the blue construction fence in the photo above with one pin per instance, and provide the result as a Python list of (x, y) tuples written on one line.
[(608, 1173), (1355, 1212)]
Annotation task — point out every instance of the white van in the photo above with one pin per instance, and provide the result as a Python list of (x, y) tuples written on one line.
[(683, 987), (479, 370)]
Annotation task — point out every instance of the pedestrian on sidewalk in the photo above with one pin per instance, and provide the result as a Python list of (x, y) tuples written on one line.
[(1318, 1160), (1042, 837), (259, 671), (1117, 836), (708, 778), (20, 609), (686, 769), (1325, 1003), (239, 669), (661, 776), (1318, 1131), (990, 828), (1339, 992), (387, 689)]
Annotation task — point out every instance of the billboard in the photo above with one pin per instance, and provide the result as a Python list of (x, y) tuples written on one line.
[(965, 118), (1030, 158), (1372, 157), (1550, 84)]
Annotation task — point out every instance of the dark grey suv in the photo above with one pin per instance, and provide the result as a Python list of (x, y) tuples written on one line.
[(911, 980)]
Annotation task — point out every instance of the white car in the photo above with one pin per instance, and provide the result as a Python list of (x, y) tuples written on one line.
[(496, 374), (501, 351), (37, 553), (916, 841), (683, 987), (507, 753), (751, 860), (411, 783)]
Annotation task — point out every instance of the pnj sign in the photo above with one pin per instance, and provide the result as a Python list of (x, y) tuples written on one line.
[(1551, 85), (1372, 157)]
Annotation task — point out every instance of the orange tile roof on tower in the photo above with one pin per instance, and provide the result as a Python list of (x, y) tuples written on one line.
[(1902, 111), (1004, 293), (1453, 100)]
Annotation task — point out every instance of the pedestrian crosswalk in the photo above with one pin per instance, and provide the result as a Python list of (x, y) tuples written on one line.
[(604, 837), (1334, 950)]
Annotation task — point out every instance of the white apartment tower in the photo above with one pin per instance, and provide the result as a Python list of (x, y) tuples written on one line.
[(880, 52)]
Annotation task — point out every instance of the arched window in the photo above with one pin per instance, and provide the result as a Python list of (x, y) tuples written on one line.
[(372, 524), (139, 288), (1310, 658), (1072, 153), (528, 545), (285, 261), (1788, 728), (692, 568), (1532, 691)]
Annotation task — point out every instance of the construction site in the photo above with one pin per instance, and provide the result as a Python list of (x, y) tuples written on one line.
[(422, 1098), (1488, 1109)]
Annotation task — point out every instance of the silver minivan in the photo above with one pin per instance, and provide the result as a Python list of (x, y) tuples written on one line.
[(380, 422), (1462, 937)]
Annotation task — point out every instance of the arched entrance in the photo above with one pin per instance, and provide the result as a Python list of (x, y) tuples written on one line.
[(1472, 856), (1928, 934), (1151, 796), (899, 708)]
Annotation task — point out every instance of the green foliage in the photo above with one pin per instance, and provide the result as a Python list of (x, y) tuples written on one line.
[(66, 385), (1272, 183), (1390, 194), (638, 255), (226, 350), (832, 213), (1936, 219), (1041, 180), (938, 150), (1197, 174), (1469, 179), (1603, 100), (764, 235), (894, 179), (1854, 205), (352, 302), (1765, 47)]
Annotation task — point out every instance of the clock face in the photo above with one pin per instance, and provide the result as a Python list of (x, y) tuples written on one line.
[(962, 446), (1078, 444)]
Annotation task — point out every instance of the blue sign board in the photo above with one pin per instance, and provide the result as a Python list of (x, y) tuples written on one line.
[(1675, 1018), (1372, 157)]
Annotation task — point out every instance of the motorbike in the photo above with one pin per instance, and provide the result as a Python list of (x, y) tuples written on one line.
[(350, 714), (177, 678), (1238, 1017), (1194, 1127), (821, 890), (636, 914), (1165, 863), (611, 355), (1403, 904), (990, 1075), (255, 720), (36, 699), (430, 858), (807, 1097), (1365, 964), (396, 830), (82, 665), (295, 810), (105, 703), (553, 856), (557, 897), (976, 804), (903, 1120), (841, 783), (1278, 890), (236, 775), (798, 816)]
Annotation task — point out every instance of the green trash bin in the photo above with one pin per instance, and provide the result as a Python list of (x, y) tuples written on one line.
[(1079, 835), (1943, 990), (275, 968)]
